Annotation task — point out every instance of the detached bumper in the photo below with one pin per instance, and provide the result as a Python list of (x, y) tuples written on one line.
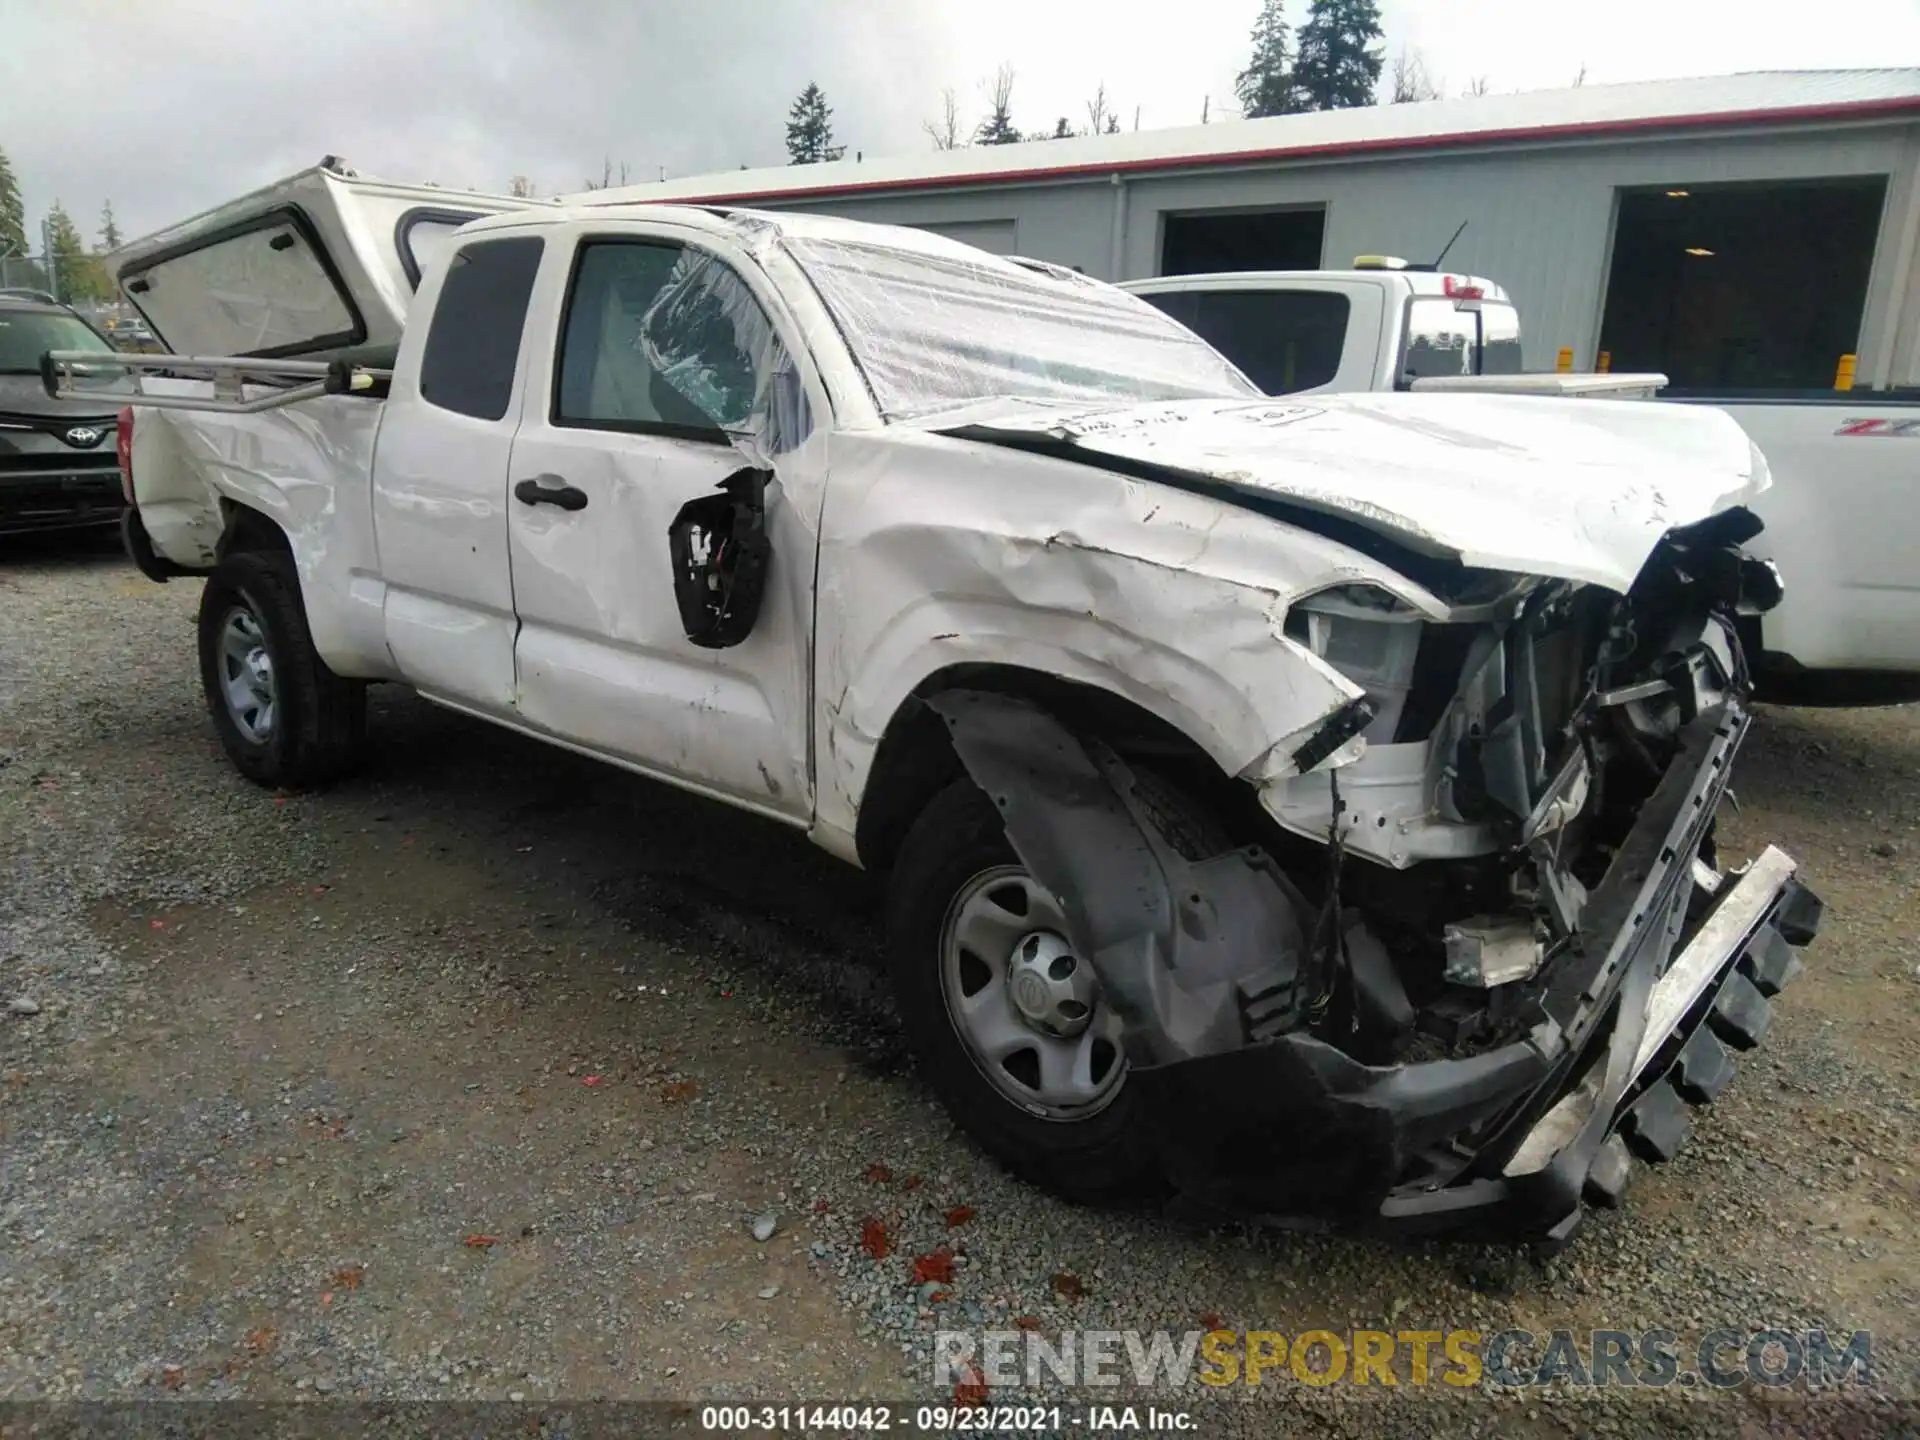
[(1642, 1020), (1295, 1129)]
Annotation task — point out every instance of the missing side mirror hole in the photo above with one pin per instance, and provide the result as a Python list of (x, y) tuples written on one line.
[(721, 552)]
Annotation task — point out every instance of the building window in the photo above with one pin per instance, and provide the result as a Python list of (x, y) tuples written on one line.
[(1732, 288), (1216, 240)]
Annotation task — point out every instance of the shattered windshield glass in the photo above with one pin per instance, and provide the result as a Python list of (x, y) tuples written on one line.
[(935, 331)]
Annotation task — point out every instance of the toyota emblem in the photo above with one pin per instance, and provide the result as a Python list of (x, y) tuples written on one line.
[(85, 437)]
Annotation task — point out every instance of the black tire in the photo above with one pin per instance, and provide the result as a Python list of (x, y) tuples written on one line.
[(320, 723), (1105, 1158)]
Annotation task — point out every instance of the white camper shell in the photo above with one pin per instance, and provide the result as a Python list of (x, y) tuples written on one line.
[(314, 265)]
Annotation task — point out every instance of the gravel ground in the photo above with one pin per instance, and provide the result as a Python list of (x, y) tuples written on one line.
[(476, 1078)]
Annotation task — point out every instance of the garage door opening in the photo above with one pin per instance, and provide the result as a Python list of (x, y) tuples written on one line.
[(1730, 288), (1242, 240)]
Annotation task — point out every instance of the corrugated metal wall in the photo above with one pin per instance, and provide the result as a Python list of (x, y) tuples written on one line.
[(1540, 219)]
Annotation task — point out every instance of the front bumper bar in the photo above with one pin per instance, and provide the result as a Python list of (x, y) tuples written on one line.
[(1631, 1017), (1296, 1131), (1640, 1021)]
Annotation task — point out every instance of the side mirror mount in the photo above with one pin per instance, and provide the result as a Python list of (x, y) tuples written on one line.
[(721, 552)]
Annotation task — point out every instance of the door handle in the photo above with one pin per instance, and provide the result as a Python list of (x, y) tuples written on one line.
[(550, 490)]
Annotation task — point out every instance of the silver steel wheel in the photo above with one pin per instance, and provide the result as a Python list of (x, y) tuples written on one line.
[(246, 675), (1028, 1010)]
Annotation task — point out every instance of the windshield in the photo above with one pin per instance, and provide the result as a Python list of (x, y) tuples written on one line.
[(933, 332), (26, 335)]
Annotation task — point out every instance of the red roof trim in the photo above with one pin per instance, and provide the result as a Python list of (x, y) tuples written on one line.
[(1850, 110)]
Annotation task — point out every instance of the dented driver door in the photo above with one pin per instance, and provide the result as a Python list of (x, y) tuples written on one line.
[(653, 357)]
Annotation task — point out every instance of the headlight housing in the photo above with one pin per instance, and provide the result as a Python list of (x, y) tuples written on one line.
[(1369, 636)]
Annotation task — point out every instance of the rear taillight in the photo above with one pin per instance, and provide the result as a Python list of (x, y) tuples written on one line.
[(123, 450)]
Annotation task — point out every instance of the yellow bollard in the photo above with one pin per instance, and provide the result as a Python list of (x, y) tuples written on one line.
[(1843, 373), (1605, 363), (1564, 364)]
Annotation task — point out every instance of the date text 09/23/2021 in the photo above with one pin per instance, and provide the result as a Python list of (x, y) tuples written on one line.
[(942, 1419)]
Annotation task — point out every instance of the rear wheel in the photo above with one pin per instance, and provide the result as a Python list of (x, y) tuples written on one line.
[(1009, 1024), (283, 717)]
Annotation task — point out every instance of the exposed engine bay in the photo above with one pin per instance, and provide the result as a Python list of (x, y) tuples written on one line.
[(1485, 947)]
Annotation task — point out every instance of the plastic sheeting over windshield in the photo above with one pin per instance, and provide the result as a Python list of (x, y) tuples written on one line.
[(934, 331), (706, 337)]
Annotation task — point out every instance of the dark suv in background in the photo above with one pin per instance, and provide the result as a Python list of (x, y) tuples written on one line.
[(58, 466)]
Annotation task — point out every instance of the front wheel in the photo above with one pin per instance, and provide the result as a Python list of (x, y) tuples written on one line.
[(1008, 1024), (283, 717)]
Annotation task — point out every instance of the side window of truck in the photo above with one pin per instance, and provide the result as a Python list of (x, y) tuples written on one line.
[(666, 338), (1286, 340), (474, 340), (1446, 338)]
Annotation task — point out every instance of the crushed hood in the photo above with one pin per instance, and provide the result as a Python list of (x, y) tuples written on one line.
[(1573, 489)]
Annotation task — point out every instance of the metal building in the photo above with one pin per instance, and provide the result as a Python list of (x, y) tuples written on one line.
[(1740, 233)]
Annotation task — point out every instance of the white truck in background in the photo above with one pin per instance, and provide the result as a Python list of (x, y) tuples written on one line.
[(1837, 521)]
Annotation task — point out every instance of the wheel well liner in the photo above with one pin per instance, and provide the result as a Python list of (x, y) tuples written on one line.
[(915, 759), (249, 529)]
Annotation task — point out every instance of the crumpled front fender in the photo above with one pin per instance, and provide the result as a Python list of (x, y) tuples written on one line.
[(1191, 953)]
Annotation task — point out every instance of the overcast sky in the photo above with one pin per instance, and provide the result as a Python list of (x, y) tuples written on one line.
[(168, 106)]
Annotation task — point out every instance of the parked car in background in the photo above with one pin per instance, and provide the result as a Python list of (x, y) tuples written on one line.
[(132, 336), (57, 457), (1848, 631)]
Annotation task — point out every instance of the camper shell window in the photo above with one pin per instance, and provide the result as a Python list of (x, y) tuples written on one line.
[(265, 287)]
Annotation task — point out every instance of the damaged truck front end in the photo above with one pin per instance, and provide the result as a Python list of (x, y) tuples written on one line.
[(1484, 952)]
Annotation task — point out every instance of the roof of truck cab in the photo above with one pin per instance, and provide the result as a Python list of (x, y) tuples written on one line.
[(742, 224)]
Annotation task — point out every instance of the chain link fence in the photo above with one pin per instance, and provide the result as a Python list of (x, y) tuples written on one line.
[(23, 272)]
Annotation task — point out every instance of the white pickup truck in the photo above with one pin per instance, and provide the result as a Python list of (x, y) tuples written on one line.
[(1849, 629), (1296, 808)]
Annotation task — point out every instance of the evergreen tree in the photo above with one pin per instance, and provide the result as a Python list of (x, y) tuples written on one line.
[(1265, 87), (77, 275), (13, 211), (109, 228), (1337, 66), (1062, 130), (998, 128), (810, 130)]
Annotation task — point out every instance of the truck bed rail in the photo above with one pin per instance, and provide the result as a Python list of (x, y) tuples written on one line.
[(65, 374), (1592, 386)]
